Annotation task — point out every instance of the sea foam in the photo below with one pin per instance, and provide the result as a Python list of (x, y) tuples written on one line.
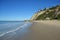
[(25, 24)]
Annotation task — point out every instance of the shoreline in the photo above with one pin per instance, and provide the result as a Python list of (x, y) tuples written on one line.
[(14, 30), (39, 30)]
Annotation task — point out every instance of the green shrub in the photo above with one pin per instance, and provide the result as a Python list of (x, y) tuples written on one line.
[(58, 16), (41, 17)]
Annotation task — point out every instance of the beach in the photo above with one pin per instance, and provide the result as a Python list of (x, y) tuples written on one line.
[(37, 30)]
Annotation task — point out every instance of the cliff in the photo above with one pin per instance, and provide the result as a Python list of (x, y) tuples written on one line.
[(52, 13)]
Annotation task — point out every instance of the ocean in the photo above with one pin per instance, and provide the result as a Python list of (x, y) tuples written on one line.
[(10, 26)]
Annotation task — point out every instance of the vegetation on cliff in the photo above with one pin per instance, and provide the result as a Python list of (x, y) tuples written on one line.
[(52, 13)]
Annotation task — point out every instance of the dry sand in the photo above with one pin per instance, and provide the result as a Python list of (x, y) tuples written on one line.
[(39, 30), (46, 30)]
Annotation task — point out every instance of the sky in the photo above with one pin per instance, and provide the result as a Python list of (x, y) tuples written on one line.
[(16, 10)]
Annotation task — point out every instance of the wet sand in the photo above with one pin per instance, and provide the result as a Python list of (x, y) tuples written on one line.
[(36, 31)]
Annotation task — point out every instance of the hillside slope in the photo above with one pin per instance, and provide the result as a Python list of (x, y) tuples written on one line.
[(52, 13)]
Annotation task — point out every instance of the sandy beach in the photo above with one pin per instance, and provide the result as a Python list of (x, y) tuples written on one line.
[(38, 30)]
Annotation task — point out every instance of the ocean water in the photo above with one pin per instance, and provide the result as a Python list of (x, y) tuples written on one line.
[(10, 26)]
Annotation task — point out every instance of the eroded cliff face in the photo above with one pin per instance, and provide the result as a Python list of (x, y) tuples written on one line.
[(37, 14), (50, 14)]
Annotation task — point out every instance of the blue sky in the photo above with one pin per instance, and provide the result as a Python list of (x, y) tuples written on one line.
[(15, 10)]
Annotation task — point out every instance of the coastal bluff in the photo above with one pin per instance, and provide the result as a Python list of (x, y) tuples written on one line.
[(52, 13)]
